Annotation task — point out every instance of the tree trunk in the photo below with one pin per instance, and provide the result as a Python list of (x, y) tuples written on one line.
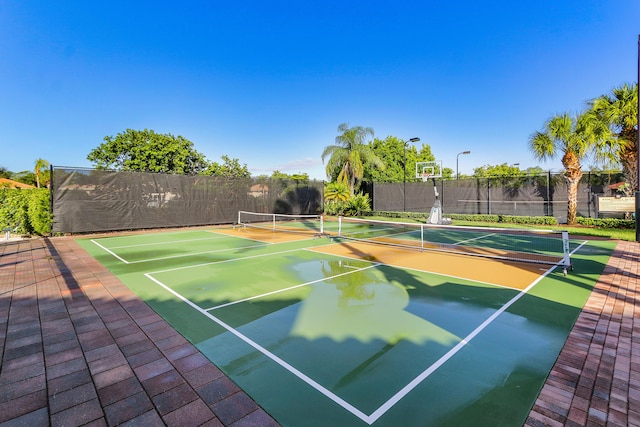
[(572, 209), (572, 173), (629, 160)]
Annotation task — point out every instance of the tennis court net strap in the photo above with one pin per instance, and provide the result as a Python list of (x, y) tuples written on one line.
[(313, 224), (523, 245)]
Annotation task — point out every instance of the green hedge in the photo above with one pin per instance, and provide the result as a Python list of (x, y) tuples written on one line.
[(508, 219), (607, 222), (27, 209), (512, 219)]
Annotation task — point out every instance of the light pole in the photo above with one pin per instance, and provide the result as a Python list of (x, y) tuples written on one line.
[(404, 177), (457, 157)]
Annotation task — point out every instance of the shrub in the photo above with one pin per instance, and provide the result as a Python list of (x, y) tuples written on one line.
[(27, 209), (357, 204), (607, 222)]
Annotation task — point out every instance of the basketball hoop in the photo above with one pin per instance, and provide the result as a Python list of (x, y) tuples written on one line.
[(425, 176)]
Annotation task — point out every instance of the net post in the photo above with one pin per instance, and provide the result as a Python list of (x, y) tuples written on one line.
[(422, 237), (322, 223), (566, 257), (239, 213), (274, 221), (340, 226)]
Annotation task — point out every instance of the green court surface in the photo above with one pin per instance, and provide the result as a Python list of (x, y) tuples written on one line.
[(320, 339)]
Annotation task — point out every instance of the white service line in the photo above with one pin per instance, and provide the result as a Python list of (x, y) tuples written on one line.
[(475, 238), (291, 287)]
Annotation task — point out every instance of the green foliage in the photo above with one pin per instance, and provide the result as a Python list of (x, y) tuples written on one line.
[(4, 173), (503, 170), (336, 191), (350, 156), (607, 222), (27, 209), (26, 177), (357, 205), (230, 168), (391, 151), (334, 207), (147, 151), (41, 171)]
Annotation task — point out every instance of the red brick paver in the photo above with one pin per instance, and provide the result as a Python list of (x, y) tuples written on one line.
[(596, 378), (77, 347)]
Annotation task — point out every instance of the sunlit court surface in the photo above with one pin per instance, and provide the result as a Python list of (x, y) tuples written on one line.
[(322, 329)]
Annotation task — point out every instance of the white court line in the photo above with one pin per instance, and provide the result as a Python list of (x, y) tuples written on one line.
[(226, 260), (413, 384), (219, 236), (109, 251), (424, 271), (386, 406), (475, 238), (346, 405), (196, 253), (290, 288)]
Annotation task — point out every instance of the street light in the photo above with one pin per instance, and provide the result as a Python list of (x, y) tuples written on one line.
[(457, 157), (404, 178)]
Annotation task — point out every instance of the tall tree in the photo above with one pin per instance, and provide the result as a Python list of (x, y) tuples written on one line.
[(349, 155), (391, 151), (612, 121), (148, 151), (503, 170), (229, 167), (40, 170), (562, 135)]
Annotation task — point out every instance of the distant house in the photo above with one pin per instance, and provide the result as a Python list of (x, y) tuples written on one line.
[(258, 190), (9, 183)]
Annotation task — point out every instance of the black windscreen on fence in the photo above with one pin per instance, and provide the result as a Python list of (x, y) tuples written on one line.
[(89, 200), (543, 195)]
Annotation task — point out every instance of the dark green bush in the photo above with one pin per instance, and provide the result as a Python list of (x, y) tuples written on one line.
[(607, 222), (27, 209)]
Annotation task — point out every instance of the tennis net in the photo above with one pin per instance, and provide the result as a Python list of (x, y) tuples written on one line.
[(311, 224), (521, 245)]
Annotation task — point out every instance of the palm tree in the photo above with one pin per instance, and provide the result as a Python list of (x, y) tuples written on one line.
[(613, 123), (41, 166), (349, 156), (561, 134), (336, 191)]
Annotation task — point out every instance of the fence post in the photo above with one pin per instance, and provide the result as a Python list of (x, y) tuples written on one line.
[(488, 196), (549, 193)]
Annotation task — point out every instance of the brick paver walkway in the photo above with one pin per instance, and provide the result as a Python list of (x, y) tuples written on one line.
[(79, 348), (596, 379)]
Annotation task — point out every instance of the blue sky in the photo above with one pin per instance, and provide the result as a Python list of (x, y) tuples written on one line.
[(268, 82)]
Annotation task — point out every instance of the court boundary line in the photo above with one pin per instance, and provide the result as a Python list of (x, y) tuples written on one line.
[(395, 398), (387, 405), (453, 351), (259, 244), (308, 380)]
